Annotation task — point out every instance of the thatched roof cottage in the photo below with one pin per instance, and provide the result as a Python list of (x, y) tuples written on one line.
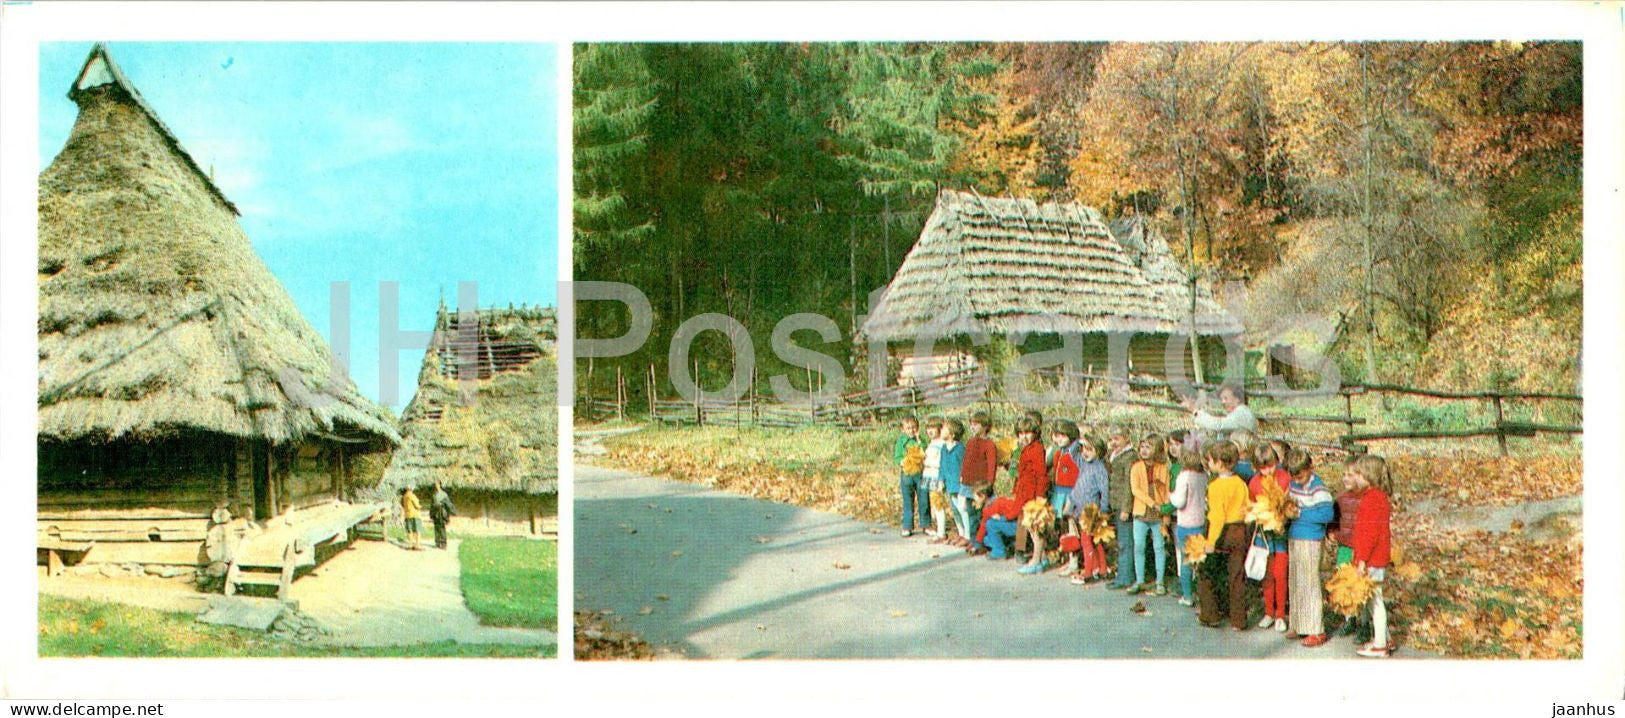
[(484, 421), (182, 398), (1012, 265)]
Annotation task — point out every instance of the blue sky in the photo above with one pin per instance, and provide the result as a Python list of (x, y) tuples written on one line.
[(426, 164)]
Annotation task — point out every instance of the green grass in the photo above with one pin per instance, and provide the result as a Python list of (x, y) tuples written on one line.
[(511, 582), (76, 628)]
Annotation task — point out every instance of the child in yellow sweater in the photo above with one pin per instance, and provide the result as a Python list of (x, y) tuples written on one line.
[(1227, 537)]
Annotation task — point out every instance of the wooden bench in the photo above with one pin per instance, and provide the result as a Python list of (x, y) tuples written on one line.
[(274, 557), (52, 551)]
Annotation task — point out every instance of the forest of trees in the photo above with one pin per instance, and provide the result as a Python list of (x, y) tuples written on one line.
[(1426, 197)]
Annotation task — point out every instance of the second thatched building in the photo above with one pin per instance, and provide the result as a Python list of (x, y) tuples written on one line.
[(484, 422)]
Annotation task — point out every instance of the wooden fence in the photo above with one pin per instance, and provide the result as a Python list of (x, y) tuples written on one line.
[(969, 385)]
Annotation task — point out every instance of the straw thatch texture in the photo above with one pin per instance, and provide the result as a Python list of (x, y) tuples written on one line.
[(156, 318), (1015, 265), (494, 434), (1149, 251)]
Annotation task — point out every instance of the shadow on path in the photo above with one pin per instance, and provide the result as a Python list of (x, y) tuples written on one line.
[(718, 575)]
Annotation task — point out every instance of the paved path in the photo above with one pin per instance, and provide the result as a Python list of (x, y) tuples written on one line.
[(717, 575), (379, 594)]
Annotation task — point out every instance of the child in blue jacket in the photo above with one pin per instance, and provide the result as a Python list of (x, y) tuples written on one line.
[(1303, 537)]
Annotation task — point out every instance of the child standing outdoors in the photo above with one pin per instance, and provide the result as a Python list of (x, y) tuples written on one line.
[(1274, 588), (1148, 484), (1368, 476), (949, 468), (981, 465), (1189, 499), (1064, 437), (1304, 535), (909, 455), (932, 473), (1119, 466), (1345, 513), (1090, 489), (1227, 537), (412, 518), (1032, 482), (1001, 516)]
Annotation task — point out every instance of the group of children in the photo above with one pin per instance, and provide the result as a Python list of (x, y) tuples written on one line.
[(1162, 489)]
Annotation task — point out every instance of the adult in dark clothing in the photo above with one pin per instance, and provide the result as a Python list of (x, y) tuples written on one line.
[(440, 512)]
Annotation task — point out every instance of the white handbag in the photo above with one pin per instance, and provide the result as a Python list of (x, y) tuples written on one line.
[(1258, 559)]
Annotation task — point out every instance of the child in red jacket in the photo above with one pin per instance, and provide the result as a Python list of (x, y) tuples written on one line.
[(1368, 475), (1267, 464), (1032, 480)]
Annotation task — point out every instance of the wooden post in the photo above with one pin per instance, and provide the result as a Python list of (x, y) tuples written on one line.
[(653, 400), (699, 414), (589, 390), (1500, 429), (1348, 412), (752, 396), (620, 395)]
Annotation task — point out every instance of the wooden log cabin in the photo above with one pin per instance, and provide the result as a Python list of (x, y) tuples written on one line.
[(188, 415), (1005, 265), (484, 422)]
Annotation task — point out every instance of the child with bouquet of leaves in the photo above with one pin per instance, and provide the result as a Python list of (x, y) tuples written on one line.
[(1001, 516), (1189, 500), (1268, 467), (909, 455), (1089, 491), (931, 472), (1346, 510), (949, 468), (1304, 536), (1148, 485), (1226, 540), (1368, 476)]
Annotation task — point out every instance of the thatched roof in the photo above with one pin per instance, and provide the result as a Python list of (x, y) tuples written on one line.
[(497, 432), (1148, 250), (156, 317), (1015, 265)]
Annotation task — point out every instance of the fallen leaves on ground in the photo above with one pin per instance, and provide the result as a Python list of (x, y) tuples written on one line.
[(596, 641), (1480, 594), (1485, 481)]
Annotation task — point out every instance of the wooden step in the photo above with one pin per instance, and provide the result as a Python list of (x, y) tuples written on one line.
[(258, 578)]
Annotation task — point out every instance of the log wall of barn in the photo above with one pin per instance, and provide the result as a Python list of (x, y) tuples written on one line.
[(151, 502), (140, 502), (502, 513)]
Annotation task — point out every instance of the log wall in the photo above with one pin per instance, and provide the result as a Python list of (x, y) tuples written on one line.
[(151, 502), (502, 513)]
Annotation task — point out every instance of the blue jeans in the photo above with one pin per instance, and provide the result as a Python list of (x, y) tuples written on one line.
[(915, 501), (1000, 532), (1142, 531), (1125, 551), (1186, 575), (966, 515)]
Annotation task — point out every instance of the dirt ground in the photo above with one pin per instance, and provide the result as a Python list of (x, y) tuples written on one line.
[(370, 594), (159, 594), (378, 594)]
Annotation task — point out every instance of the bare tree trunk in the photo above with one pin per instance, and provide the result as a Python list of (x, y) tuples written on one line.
[(1366, 221)]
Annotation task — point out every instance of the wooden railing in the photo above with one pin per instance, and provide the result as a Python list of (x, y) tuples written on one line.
[(970, 385)]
